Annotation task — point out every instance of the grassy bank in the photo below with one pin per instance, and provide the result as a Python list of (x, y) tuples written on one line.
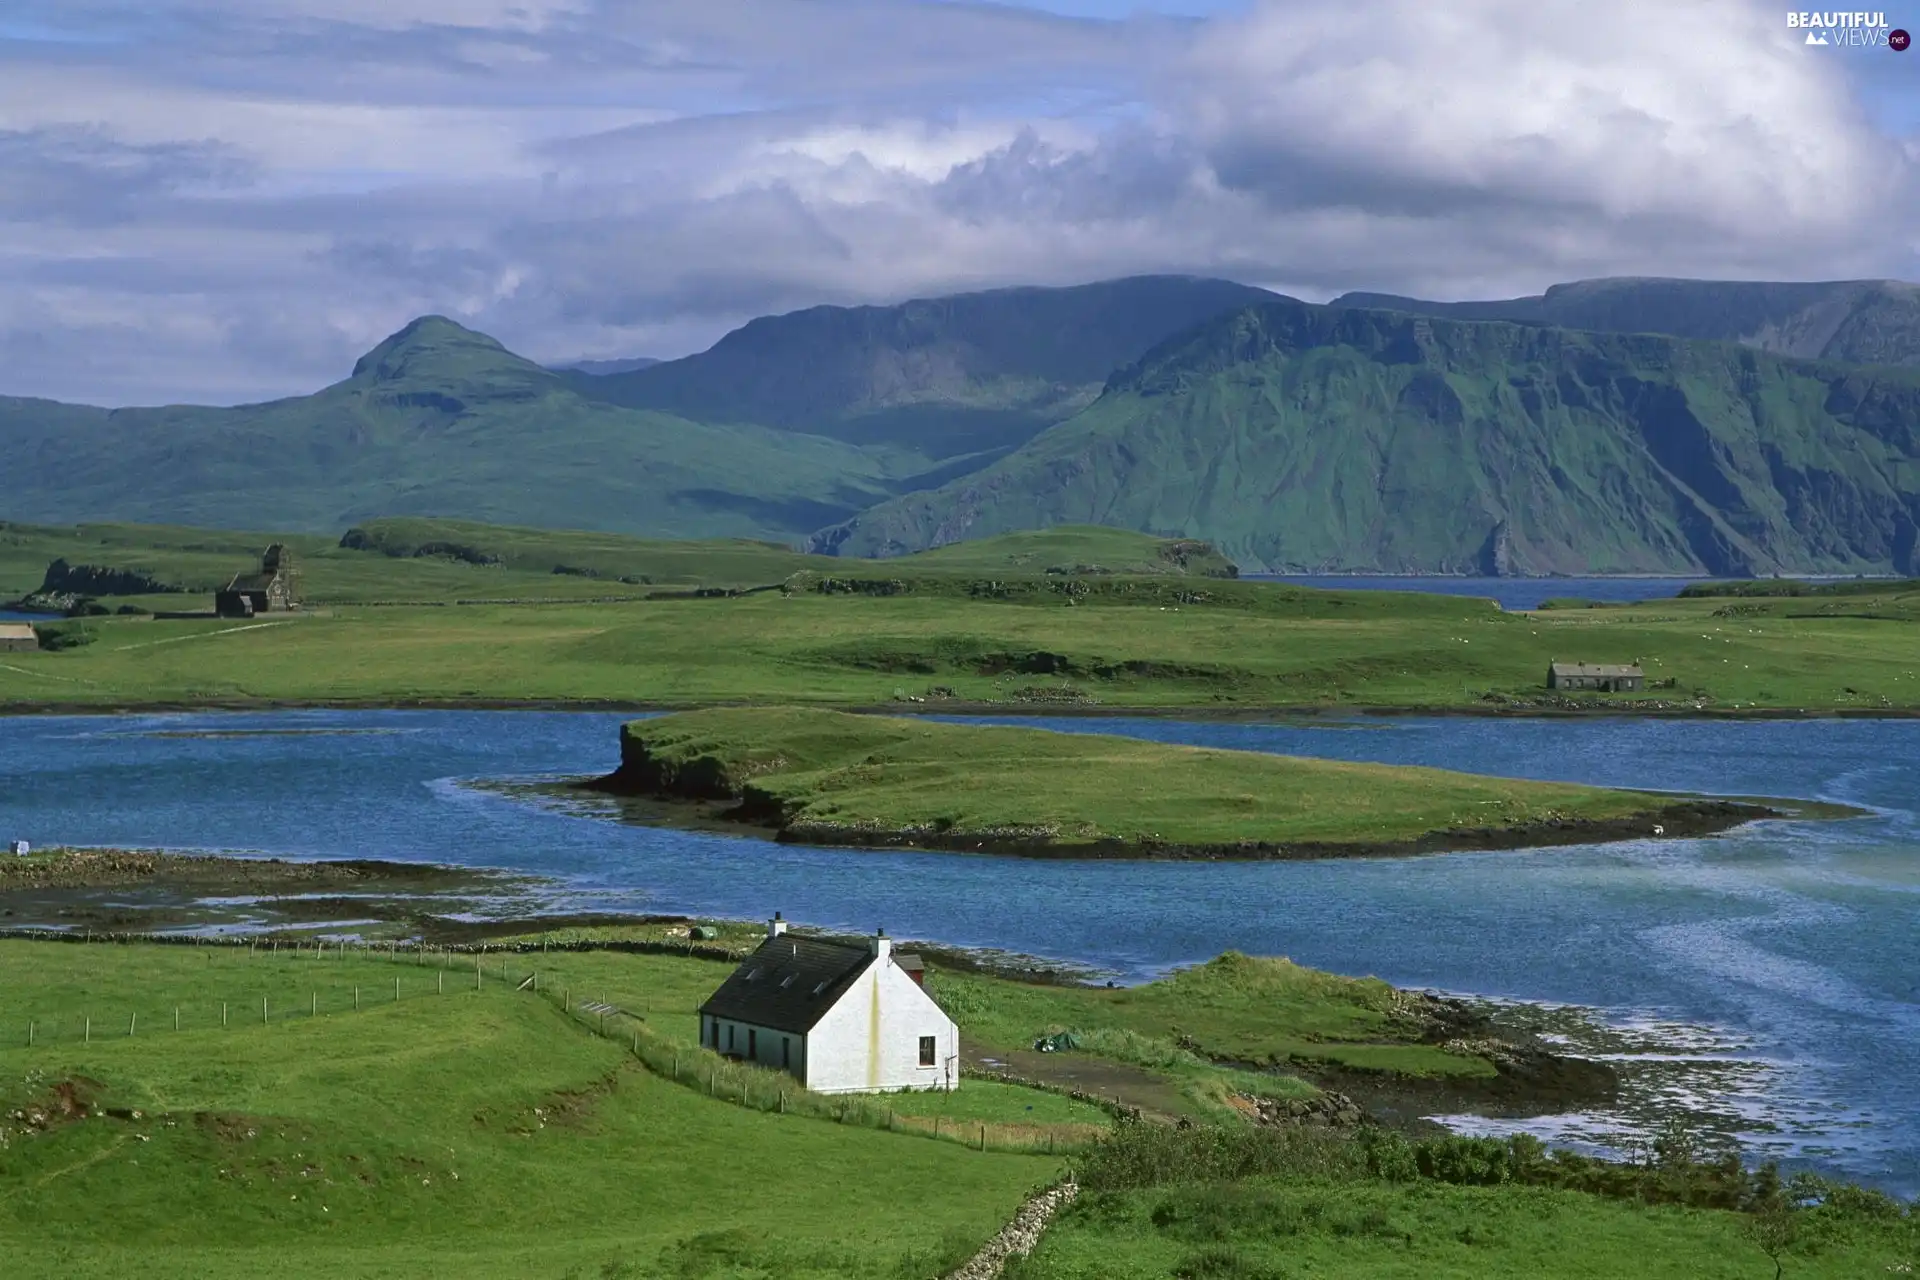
[(1063, 619), (830, 776), (1167, 645), (214, 1110), (1264, 1205), (465, 1133), (402, 560)]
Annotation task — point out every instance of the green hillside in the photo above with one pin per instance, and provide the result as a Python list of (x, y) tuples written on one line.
[(436, 420), (953, 377), (1862, 321), (418, 560), (1303, 437)]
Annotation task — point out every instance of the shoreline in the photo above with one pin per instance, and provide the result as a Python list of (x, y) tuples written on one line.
[(1208, 712), (1685, 818), (1530, 1078)]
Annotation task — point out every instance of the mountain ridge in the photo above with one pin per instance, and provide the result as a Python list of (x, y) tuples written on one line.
[(1857, 321), (951, 376), (1305, 437)]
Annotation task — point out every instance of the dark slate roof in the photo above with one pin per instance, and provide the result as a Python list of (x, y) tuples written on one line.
[(251, 581), (789, 983), (1601, 669)]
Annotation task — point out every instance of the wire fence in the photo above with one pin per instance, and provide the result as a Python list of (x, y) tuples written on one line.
[(313, 980)]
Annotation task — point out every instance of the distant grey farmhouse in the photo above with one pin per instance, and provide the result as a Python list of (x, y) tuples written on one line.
[(1605, 677), (839, 1017), (269, 591), (18, 637)]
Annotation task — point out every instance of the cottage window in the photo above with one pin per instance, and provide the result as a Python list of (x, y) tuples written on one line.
[(786, 1052), (729, 1037), (927, 1050), (753, 1043)]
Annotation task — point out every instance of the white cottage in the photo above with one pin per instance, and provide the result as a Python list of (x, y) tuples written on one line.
[(840, 1017)]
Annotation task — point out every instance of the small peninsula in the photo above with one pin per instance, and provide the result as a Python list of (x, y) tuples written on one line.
[(830, 777)]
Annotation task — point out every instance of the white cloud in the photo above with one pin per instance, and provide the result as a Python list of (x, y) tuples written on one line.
[(1695, 111), (239, 201)]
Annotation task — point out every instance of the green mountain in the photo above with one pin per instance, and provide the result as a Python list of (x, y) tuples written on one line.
[(1321, 438), (1862, 321), (601, 368), (436, 420), (961, 379)]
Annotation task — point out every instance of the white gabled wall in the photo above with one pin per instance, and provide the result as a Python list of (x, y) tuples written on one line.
[(870, 1040)]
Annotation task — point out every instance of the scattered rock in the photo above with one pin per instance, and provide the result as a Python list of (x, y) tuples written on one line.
[(1327, 1110), (1018, 1237)]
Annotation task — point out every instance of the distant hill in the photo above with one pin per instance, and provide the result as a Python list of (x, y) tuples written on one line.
[(436, 420), (1862, 321), (1322, 438), (601, 368), (952, 378)]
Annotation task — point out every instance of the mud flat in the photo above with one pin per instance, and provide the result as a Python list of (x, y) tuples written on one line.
[(149, 891)]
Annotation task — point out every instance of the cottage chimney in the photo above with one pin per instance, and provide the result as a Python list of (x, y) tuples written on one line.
[(882, 944), (776, 926)]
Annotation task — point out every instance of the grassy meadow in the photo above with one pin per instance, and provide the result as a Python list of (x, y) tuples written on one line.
[(1063, 618), (470, 1128), (1328, 1229), (826, 774), (471, 1133), (1245, 646)]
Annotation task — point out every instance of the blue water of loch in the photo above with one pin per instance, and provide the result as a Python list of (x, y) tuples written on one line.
[(1795, 943)]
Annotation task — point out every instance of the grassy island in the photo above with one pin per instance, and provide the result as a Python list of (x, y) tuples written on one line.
[(835, 777)]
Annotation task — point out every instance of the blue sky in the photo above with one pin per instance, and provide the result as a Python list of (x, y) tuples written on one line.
[(225, 200)]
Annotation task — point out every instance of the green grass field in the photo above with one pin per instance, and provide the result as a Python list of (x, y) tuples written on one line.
[(475, 1130), (1229, 645), (1292, 1229), (1261, 1010), (403, 560), (470, 1133), (825, 773)]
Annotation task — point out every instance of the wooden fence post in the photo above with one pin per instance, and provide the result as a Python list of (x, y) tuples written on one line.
[(440, 980), (133, 1020), (223, 1013), (29, 1033), (86, 1033), (263, 1010), (176, 1017), (356, 999), (313, 1007), (396, 991)]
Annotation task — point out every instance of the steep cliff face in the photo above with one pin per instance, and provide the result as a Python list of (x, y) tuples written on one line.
[(950, 376), (1858, 321), (1323, 438)]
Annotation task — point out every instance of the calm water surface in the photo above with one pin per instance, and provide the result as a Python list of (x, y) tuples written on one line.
[(1512, 593), (1790, 951)]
